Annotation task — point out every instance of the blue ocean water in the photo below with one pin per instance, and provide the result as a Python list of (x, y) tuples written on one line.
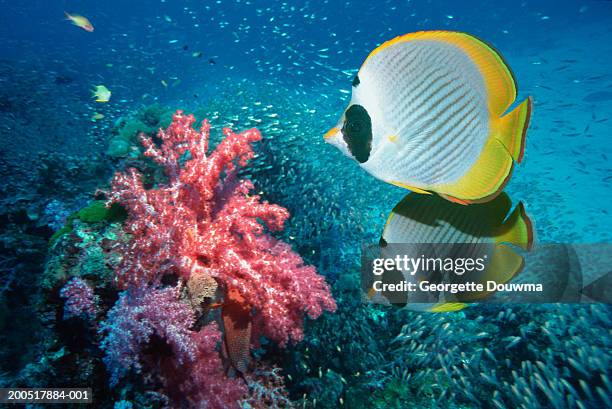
[(307, 53), (286, 67)]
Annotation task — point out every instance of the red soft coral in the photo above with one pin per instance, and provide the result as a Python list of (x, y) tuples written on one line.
[(204, 219)]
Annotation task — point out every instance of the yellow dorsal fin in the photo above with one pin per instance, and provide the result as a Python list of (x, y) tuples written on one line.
[(516, 230), (498, 78)]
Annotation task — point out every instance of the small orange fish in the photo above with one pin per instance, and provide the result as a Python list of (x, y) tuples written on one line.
[(236, 317), (80, 21)]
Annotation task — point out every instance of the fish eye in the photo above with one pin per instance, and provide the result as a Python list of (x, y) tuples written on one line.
[(355, 126)]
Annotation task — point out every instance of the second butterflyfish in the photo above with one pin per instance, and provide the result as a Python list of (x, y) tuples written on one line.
[(430, 112), (451, 230)]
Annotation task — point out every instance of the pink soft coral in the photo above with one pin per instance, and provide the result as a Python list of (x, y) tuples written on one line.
[(201, 383), (80, 299), (204, 219)]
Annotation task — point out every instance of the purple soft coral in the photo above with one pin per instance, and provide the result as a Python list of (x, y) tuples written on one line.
[(136, 316), (80, 299)]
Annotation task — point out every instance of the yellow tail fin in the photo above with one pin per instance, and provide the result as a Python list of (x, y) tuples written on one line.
[(504, 265), (493, 168), (512, 129), (517, 229)]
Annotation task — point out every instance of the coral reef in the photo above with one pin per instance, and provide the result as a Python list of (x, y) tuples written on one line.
[(194, 240), (202, 222), (80, 299), (126, 130), (363, 356), (143, 294)]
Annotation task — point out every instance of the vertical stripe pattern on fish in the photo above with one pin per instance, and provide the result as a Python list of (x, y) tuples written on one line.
[(428, 113), (489, 228)]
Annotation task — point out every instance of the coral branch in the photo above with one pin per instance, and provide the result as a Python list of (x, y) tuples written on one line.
[(137, 315), (203, 219), (80, 299)]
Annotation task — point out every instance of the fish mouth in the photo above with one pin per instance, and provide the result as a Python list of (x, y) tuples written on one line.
[(330, 133)]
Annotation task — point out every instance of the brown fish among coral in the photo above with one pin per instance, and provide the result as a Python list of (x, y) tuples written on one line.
[(236, 317)]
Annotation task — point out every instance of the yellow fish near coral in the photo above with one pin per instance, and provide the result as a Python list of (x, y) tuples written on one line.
[(428, 113), (101, 93), (80, 21)]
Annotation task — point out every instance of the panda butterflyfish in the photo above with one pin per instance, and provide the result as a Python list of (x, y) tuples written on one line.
[(491, 228), (428, 113)]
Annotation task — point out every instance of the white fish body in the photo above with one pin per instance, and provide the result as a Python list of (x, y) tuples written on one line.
[(432, 224), (425, 115), (441, 112)]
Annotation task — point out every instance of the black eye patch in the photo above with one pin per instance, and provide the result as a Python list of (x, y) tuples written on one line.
[(356, 81), (357, 132)]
